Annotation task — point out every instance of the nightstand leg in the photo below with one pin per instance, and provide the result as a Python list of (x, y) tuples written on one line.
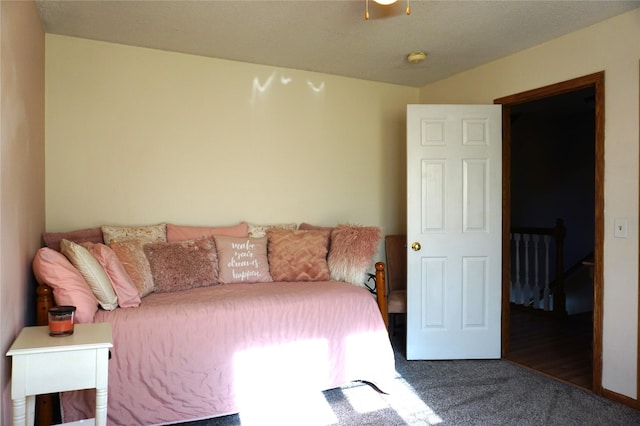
[(19, 412), (101, 407), (31, 409)]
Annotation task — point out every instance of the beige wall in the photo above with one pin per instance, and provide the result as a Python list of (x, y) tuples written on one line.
[(606, 46), (21, 172), (140, 136)]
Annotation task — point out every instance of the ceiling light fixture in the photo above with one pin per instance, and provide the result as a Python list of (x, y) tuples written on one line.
[(416, 57), (384, 3)]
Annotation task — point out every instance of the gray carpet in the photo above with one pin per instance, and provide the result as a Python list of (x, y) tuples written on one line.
[(446, 393)]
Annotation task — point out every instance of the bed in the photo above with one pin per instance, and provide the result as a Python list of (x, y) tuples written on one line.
[(213, 351)]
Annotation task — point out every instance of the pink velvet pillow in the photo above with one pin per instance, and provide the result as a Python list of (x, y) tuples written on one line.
[(352, 251), (131, 255), (91, 235), (128, 296), (184, 233), (69, 287), (242, 260), (296, 255), (182, 265)]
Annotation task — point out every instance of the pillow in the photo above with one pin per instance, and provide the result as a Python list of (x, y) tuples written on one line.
[(351, 253), (126, 291), (242, 260), (308, 227), (298, 255), (146, 234), (259, 231), (69, 288), (184, 233), (52, 239), (132, 257), (182, 265), (92, 273)]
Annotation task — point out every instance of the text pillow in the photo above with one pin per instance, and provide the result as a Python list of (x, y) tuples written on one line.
[(242, 260)]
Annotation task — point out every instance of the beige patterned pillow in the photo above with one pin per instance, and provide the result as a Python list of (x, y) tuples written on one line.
[(182, 265), (145, 234), (298, 255), (242, 260), (132, 257), (92, 272), (259, 231)]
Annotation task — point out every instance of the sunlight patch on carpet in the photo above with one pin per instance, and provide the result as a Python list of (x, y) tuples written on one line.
[(407, 403), (402, 399)]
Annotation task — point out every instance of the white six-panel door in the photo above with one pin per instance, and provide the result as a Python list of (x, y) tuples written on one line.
[(454, 165)]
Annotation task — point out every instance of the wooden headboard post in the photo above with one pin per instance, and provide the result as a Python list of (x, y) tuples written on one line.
[(44, 301), (381, 292), (44, 403)]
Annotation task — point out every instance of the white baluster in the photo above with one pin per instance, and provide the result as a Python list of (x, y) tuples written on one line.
[(518, 295), (537, 287), (512, 286), (527, 286), (547, 290)]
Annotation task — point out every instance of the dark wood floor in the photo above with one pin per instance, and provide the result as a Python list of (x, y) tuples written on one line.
[(558, 347)]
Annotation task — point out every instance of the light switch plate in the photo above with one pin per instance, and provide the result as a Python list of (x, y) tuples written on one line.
[(621, 228)]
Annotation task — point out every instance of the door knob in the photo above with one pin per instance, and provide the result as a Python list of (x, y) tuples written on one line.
[(416, 246)]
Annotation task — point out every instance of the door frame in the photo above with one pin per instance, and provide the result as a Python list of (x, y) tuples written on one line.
[(596, 81)]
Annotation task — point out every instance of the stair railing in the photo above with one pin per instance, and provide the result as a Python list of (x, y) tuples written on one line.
[(532, 284)]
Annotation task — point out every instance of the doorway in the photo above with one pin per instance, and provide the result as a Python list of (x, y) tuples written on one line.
[(589, 89)]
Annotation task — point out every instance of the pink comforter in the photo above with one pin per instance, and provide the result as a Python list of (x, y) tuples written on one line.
[(217, 350)]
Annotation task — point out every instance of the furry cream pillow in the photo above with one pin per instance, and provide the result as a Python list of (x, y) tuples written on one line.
[(351, 253)]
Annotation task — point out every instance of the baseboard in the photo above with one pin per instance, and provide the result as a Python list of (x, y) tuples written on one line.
[(622, 399)]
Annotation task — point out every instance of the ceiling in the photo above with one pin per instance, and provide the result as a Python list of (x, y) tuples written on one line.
[(332, 36)]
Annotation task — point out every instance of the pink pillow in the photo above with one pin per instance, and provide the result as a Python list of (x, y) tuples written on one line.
[(128, 296), (183, 233), (182, 265), (242, 260), (131, 255), (296, 255), (308, 227), (92, 235), (69, 287), (352, 251)]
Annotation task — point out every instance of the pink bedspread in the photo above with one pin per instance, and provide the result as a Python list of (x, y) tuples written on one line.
[(213, 351)]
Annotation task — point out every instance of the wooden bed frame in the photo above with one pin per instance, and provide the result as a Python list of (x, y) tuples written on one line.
[(45, 300)]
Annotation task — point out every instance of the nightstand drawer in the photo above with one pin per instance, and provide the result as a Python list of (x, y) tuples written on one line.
[(62, 371)]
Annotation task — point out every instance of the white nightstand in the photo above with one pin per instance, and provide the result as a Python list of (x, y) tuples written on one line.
[(43, 364)]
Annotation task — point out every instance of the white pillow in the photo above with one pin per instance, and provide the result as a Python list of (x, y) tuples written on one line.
[(92, 272)]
